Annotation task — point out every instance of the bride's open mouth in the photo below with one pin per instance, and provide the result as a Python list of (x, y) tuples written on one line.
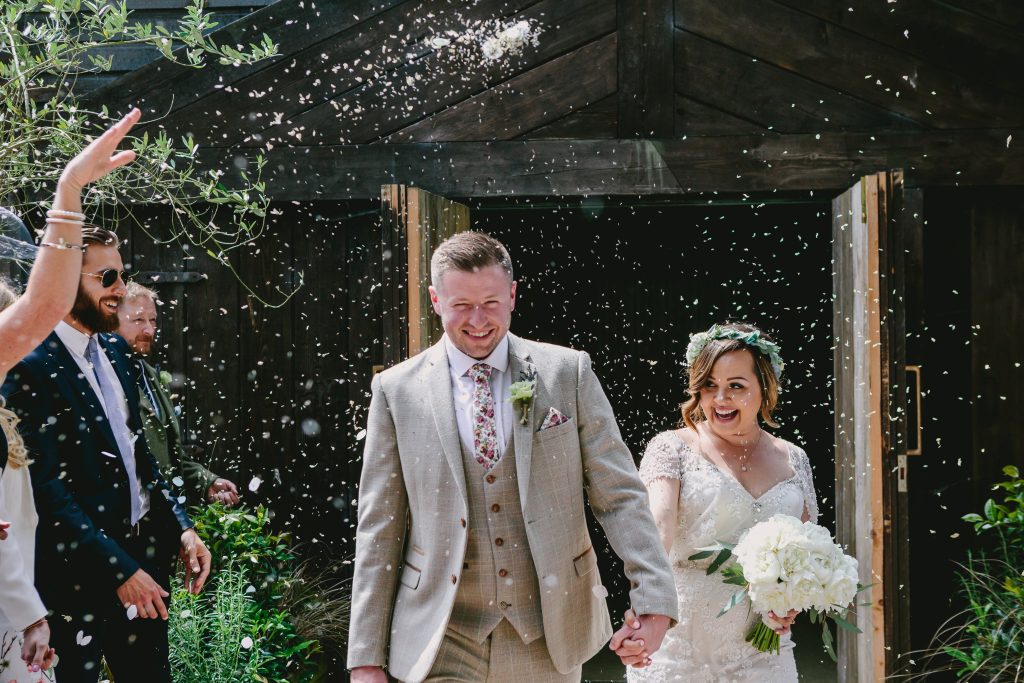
[(726, 415)]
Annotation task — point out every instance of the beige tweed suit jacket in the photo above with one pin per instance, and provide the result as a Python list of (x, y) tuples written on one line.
[(412, 530)]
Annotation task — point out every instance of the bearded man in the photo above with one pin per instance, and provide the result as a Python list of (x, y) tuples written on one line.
[(108, 524), (138, 327)]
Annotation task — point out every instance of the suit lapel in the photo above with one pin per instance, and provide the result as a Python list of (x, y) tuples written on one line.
[(166, 408), (75, 388), (442, 404), (522, 365)]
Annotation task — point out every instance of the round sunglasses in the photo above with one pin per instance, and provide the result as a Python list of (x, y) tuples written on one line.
[(108, 276)]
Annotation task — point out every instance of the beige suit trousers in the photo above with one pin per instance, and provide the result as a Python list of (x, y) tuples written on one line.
[(503, 657)]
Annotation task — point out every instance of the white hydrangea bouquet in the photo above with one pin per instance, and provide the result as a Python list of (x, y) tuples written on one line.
[(783, 564)]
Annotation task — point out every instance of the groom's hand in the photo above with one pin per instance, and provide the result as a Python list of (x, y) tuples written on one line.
[(369, 674), (639, 638), (627, 645)]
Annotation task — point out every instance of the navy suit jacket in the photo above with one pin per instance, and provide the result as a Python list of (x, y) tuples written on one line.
[(82, 495)]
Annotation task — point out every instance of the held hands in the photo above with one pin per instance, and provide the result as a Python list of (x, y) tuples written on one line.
[(196, 558), (36, 651), (4, 526), (98, 159), (222, 491), (639, 638), (145, 593)]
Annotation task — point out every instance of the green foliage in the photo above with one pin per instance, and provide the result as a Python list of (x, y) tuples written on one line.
[(45, 47), (253, 577), (215, 637), (986, 642)]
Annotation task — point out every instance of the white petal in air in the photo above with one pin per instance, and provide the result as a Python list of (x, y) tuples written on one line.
[(254, 484)]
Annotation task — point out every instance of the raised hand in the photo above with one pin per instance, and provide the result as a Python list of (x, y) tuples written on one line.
[(99, 157)]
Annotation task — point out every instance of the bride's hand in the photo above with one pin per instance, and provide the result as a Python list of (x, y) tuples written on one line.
[(631, 651), (785, 622)]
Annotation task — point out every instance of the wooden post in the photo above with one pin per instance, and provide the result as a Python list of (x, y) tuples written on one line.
[(869, 323), (414, 222)]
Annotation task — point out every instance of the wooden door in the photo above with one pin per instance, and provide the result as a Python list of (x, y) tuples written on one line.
[(876, 226), (413, 223)]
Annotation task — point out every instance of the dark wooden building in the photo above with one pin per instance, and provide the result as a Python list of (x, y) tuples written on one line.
[(847, 174)]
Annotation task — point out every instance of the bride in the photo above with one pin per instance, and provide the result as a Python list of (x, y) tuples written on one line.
[(710, 481)]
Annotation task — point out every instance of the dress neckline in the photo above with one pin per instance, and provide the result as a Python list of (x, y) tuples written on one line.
[(731, 477)]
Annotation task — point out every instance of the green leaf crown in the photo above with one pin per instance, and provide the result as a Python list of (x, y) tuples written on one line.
[(753, 339)]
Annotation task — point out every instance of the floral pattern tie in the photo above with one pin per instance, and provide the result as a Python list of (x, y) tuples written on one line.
[(485, 435)]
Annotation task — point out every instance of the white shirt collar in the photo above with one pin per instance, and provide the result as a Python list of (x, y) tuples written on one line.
[(75, 340), (460, 363)]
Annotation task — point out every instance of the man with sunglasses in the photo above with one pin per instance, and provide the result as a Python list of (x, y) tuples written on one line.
[(109, 525)]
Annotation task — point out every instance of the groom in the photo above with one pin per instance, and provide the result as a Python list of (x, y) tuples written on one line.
[(473, 559)]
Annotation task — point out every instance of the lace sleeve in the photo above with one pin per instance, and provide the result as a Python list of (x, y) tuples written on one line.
[(802, 467), (663, 459)]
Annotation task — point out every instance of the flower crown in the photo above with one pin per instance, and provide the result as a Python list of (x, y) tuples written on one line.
[(752, 339)]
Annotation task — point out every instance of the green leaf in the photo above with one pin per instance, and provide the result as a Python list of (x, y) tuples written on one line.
[(843, 623), (702, 555), (826, 640), (736, 598), (722, 558)]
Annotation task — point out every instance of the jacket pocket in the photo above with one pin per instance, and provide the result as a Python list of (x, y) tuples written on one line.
[(410, 576), (585, 562)]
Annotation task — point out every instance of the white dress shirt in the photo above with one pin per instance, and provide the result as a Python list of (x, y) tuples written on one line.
[(76, 343), (462, 391)]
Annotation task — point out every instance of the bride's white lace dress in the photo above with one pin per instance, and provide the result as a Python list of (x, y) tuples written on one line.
[(714, 506)]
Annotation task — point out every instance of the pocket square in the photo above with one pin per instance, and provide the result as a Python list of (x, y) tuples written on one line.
[(553, 419)]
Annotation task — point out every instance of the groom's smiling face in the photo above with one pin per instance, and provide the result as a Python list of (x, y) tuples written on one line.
[(475, 308)]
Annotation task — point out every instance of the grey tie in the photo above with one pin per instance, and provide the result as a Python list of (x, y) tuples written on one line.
[(118, 424)]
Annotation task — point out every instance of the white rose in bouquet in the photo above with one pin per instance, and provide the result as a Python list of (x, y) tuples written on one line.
[(783, 564)]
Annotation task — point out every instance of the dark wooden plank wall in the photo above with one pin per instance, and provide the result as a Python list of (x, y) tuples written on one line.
[(997, 352), (277, 393)]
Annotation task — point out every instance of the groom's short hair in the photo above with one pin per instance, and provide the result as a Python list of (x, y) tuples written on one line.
[(468, 251)]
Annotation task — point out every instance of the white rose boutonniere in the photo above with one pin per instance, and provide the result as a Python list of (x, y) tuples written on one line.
[(522, 394)]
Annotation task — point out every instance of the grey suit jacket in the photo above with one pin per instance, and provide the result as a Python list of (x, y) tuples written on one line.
[(412, 530)]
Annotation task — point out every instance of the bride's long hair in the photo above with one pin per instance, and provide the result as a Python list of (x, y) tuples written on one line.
[(17, 456), (700, 371)]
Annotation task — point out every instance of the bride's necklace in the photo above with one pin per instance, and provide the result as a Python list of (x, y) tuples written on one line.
[(744, 457)]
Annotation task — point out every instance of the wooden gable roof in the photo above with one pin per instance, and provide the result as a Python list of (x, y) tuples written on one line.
[(669, 96)]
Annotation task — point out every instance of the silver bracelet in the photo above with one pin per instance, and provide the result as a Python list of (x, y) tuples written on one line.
[(63, 245), (69, 221), (61, 213)]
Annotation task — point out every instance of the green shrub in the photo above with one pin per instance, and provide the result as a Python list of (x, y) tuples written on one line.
[(986, 642), (246, 597)]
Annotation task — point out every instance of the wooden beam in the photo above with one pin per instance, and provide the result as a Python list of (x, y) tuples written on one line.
[(851, 63), (536, 98), (384, 105), (936, 31), (594, 122), (768, 95), (646, 63), (292, 24), (742, 163)]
